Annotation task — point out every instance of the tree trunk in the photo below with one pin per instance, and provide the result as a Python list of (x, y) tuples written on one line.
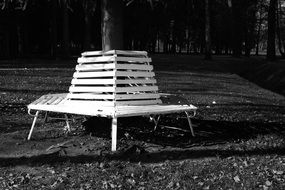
[(280, 42), (208, 54), (112, 24), (258, 35), (271, 54)]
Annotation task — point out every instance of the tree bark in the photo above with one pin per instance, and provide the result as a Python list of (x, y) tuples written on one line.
[(112, 24), (280, 42), (271, 54), (258, 35), (208, 53)]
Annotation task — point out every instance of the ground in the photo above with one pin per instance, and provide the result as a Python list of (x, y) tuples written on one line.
[(239, 127)]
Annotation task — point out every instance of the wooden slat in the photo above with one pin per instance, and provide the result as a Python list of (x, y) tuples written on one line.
[(135, 67), (137, 96), (93, 81), (89, 103), (90, 96), (134, 59), (91, 89), (94, 74), (139, 102), (82, 60), (87, 67), (52, 100), (108, 111), (136, 89), (127, 111), (136, 81), (112, 81), (44, 99), (120, 52), (134, 74), (58, 101), (96, 59)]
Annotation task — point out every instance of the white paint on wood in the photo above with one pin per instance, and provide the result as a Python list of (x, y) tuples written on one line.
[(88, 67), (114, 134), (134, 59), (136, 81), (134, 74), (94, 74), (136, 89), (136, 96), (138, 102), (134, 67), (119, 52), (90, 96), (91, 89), (96, 59), (93, 81)]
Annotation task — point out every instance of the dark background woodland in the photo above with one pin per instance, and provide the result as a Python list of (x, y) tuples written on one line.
[(64, 28)]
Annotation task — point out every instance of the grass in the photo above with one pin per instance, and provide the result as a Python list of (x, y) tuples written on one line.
[(239, 128)]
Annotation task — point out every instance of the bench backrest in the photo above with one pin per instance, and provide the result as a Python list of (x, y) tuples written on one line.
[(113, 78)]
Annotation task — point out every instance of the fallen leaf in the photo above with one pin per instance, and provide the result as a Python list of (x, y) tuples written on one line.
[(237, 179), (268, 183)]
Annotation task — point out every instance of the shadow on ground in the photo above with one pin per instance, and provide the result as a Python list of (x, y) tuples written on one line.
[(137, 138)]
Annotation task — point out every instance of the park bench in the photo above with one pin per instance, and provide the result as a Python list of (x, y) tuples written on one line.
[(111, 84)]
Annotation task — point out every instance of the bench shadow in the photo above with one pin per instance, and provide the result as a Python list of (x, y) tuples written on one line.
[(137, 130)]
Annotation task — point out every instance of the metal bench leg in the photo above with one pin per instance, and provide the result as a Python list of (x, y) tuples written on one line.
[(33, 125), (46, 117), (190, 123), (155, 120), (67, 123), (114, 134)]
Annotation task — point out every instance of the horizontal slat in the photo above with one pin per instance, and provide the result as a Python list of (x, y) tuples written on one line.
[(134, 59), (94, 74), (126, 111), (95, 59), (138, 102), (134, 74), (89, 103), (100, 59), (112, 81), (113, 66), (80, 109), (95, 67), (91, 89), (134, 67), (120, 52), (136, 81), (93, 81), (90, 96), (136, 89), (137, 96)]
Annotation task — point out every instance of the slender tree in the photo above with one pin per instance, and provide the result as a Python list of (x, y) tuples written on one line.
[(280, 41), (208, 54), (271, 54)]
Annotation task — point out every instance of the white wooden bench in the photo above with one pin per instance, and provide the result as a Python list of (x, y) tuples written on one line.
[(111, 84)]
